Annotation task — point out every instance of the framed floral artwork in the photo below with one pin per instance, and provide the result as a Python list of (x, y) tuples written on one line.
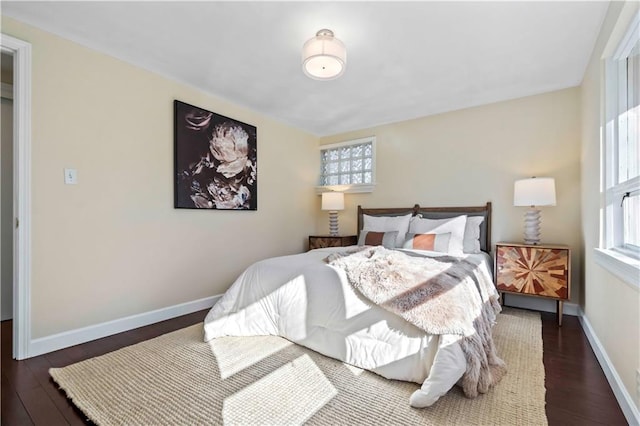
[(215, 161)]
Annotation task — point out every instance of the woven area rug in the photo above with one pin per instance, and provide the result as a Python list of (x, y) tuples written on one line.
[(177, 379)]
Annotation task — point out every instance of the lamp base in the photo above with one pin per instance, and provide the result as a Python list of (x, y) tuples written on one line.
[(333, 223), (532, 226)]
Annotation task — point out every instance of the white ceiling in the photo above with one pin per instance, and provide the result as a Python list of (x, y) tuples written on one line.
[(404, 60)]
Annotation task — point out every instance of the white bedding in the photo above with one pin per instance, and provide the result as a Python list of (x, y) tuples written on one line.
[(308, 302)]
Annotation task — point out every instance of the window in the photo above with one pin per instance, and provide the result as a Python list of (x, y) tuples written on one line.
[(350, 166), (622, 171), (621, 165)]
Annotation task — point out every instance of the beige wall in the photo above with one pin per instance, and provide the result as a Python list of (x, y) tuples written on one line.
[(472, 156), (611, 306), (113, 245)]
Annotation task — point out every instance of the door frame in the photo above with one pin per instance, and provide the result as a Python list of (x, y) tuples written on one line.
[(21, 51)]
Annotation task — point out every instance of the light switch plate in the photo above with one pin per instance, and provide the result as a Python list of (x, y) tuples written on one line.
[(70, 176)]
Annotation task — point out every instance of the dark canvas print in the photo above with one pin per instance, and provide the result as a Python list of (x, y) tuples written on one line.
[(215, 161)]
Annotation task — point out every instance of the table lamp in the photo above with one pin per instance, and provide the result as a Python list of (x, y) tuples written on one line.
[(333, 201), (534, 192)]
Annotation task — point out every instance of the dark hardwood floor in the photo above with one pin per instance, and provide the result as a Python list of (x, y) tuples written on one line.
[(577, 391)]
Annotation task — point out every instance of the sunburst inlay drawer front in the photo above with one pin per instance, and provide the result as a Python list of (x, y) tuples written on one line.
[(541, 271)]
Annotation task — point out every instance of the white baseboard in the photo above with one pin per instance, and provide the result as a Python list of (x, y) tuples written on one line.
[(539, 304), (63, 340), (628, 406)]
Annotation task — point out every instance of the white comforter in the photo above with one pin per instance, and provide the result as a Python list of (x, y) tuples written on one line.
[(308, 302)]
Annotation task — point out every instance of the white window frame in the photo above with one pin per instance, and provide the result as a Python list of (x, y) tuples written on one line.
[(620, 259), (355, 187)]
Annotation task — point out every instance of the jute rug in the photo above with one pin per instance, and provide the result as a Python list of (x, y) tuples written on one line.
[(177, 379)]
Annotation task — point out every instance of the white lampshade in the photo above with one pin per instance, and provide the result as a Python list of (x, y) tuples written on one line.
[(332, 201), (535, 191), (324, 57)]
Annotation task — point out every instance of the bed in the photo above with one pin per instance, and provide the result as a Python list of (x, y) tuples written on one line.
[(361, 304)]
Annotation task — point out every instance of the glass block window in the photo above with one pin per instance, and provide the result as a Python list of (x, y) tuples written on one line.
[(349, 164)]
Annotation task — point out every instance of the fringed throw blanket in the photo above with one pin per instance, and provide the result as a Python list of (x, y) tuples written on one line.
[(442, 295)]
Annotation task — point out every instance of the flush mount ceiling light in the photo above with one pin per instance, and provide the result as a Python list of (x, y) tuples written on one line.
[(324, 57)]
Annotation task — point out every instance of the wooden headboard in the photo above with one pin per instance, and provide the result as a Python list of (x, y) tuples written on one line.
[(437, 213)]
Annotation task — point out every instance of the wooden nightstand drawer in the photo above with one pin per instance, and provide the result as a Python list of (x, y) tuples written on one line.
[(534, 270), (320, 241)]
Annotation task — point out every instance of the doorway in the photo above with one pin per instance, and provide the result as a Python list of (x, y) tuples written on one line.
[(6, 187), (20, 52)]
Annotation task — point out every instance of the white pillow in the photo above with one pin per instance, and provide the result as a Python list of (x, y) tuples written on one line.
[(388, 223), (454, 225), (471, 242)]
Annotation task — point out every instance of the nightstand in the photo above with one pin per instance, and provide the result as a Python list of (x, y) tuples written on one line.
[(320, 241), (534, 270)]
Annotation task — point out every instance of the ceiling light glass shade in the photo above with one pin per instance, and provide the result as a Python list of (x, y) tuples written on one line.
[(324, 57), (534, 192)]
